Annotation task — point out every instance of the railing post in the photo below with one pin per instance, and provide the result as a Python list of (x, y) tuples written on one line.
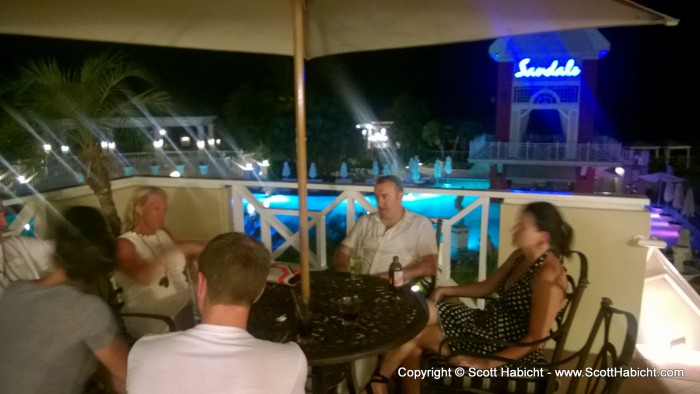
[(350, 215), (321, 262), (527, 150), (588, 151), (236, 201), (265, 233)]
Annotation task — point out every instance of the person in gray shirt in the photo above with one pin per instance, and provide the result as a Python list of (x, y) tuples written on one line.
[(53, 335)]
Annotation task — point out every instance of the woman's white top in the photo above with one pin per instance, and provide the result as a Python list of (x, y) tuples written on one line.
[(154, 297)]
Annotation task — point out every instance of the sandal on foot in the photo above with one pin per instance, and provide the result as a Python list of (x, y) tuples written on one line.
[(376, 378)]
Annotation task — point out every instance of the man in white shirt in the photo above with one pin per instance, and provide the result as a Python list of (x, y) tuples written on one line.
[(22, 257), (219, 355), (391, 231)]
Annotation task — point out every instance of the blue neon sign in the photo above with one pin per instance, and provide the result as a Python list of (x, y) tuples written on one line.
[(570, 69)]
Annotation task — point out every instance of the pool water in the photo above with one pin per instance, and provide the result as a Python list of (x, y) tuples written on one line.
[(431, 205), (464, 183)]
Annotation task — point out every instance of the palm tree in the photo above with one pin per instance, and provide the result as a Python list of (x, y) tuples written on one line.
[(81, 104)]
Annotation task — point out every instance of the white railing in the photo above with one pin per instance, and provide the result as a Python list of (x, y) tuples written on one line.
[(318, 260), (270, 222), (61, 171), (588, 152)]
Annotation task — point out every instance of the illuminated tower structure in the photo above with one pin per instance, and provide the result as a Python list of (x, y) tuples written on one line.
[(545, 111)]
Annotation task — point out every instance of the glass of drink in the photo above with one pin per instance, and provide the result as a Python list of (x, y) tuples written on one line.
[(349, 307), (357, 264)]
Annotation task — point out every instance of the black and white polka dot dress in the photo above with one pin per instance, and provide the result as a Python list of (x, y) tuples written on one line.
[(506, 318)]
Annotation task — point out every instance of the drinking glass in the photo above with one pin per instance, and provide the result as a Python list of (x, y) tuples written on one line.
[(349, 307), (357, 264)]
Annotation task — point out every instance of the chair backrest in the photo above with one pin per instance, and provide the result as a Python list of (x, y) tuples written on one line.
[(573, 298), (607, 356)]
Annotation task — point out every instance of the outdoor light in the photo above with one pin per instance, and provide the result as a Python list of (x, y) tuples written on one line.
[(65, 148), (218, 141), (158, 143), (112, 145), (620, 171), (211, 141), (265, 163), (248, 167), (27, 227), (162, 132), (104, 144), (21, 179), (47, 147), (200, 144), (175, 174)]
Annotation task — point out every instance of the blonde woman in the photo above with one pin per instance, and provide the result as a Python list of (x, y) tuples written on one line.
[(153, 269)]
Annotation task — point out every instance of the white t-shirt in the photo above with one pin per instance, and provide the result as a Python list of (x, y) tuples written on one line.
[(411, 238), (24, 258), (154, 298), (214, 359)]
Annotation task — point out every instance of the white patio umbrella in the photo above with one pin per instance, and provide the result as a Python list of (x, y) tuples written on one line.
[(678, 196), (308, 29), (689, 204), (668, 192), (658, 178)]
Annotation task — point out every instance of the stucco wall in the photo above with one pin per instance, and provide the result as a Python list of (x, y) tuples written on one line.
[(194, 213)]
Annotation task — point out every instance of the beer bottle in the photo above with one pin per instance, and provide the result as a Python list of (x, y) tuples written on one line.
[(395, 274)]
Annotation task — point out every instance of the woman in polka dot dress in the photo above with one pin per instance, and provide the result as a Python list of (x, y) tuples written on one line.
[(531, 287)]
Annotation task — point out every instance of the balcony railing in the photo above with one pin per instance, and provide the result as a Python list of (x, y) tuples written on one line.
[(604, 225), (480, 149), (66, 170)]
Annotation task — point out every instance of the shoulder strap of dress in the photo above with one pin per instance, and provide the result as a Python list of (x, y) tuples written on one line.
[(539, 261), (518, 260)]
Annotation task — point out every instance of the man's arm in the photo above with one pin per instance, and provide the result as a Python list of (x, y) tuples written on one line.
[(113, 356), (341, 258), (424, 266)]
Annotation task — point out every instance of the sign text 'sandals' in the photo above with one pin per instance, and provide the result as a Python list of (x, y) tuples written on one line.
[(554, 70)]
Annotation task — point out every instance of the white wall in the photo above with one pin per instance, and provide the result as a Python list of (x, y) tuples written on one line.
[(670, 307), (195, 212)]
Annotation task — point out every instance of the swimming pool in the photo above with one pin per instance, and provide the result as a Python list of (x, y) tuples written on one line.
[(431, 205), (464, 183)]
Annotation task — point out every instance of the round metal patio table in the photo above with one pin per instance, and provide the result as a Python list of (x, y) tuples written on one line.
[(387, 319)]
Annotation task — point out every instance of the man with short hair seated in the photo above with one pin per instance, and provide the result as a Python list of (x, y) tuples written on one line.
[(219, 355), (391, 231)]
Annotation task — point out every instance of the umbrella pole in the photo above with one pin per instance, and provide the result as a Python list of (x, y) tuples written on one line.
[(300, 96)]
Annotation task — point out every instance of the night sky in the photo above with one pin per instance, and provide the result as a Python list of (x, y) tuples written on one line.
[(648, 86)]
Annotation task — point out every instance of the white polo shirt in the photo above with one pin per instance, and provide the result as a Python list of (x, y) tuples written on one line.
[(214, 359), (411, 238)]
